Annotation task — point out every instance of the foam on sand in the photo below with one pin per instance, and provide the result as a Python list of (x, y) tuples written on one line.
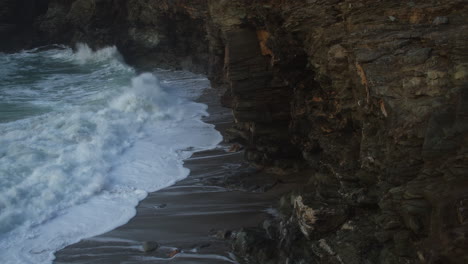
[(107, 138)]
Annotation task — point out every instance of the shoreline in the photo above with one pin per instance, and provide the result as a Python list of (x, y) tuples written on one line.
[(191, 219)]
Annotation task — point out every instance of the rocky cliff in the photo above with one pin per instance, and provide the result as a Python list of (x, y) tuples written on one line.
[(368, 98), (16, 23)]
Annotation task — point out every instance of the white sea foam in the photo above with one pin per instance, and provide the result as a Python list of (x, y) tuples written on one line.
[(79, 169)]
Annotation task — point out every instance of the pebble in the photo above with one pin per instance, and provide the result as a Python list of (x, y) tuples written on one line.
[(440, 20), (160, 206), (150, 246)]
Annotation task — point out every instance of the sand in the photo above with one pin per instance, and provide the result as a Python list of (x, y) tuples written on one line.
[(189, 219)]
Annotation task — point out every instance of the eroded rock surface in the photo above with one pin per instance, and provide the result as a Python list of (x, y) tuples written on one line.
[(372, 96)]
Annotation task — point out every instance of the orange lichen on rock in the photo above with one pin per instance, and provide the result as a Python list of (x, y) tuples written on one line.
[(263, 36), (362, 75), (382, 108)]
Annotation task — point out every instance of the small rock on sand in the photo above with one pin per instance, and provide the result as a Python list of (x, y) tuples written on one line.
[(150, 246)]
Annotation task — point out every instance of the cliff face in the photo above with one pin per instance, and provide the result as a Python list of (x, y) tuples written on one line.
[(16, 22), (372, 96), (368, 98), (145, 31)]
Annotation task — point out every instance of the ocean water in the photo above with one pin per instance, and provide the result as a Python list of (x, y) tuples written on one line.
[(84, 138)]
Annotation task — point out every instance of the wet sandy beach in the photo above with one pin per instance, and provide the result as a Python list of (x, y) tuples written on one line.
[(187, 219)]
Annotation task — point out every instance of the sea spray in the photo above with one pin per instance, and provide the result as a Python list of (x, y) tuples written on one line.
[(82, 141)]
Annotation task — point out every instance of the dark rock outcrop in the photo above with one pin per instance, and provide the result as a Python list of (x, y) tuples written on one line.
[(371, 96), (16, 23), (147, 32)]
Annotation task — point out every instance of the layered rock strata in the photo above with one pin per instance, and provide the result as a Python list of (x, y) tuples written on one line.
[(372, 95), (368, 98)]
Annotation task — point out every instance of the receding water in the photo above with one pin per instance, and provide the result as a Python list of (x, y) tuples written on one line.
[(83, 138)]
